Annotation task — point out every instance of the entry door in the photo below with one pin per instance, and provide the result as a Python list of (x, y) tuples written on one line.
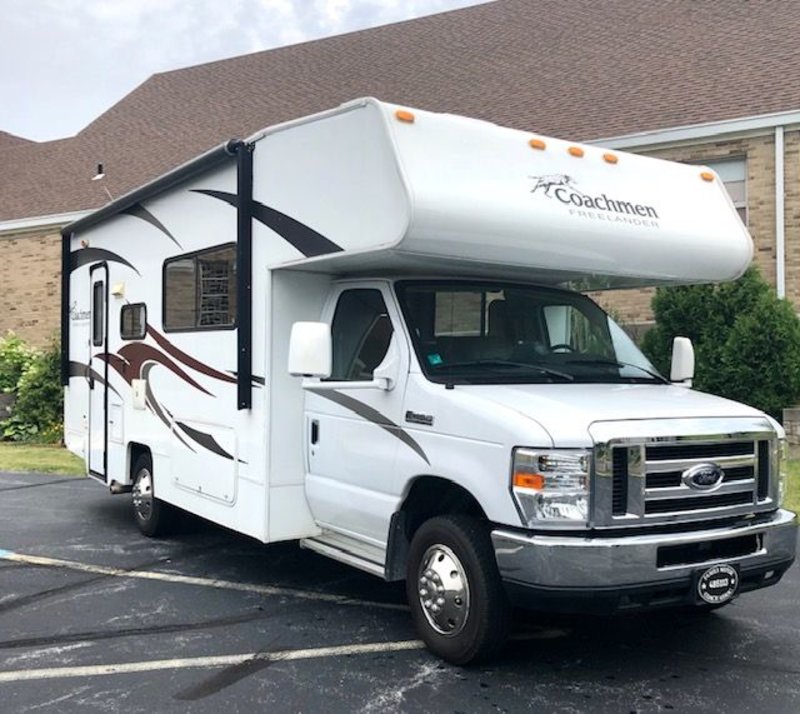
[(98, 372)]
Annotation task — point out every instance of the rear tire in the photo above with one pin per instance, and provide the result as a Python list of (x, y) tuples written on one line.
[(153, 516), (457, 599)]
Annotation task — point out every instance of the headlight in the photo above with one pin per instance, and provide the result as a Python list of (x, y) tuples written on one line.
[(551, 487)]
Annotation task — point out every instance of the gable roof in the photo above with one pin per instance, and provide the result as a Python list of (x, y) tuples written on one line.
[(7, 140), (572, 68)]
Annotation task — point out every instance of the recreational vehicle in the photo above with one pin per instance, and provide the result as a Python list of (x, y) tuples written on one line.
[(366, 330)]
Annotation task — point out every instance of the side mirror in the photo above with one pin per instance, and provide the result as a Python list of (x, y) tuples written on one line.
[(310, 349), (682, 371)]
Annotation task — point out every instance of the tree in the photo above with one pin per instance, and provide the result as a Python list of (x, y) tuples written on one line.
[(747, 341)]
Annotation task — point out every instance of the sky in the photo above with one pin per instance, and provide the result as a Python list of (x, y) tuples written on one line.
[(65, 62)]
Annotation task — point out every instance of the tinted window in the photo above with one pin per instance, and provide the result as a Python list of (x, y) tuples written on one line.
[(200, 290), (361, 333), (133, 321), (98, 313)]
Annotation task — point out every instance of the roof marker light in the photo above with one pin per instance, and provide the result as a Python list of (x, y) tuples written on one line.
[(575, 151), (706, 176), (610, 158), (537, 144), (404, 115)]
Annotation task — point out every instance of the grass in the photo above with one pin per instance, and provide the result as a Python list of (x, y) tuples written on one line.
[(38, 458), (792, 501)]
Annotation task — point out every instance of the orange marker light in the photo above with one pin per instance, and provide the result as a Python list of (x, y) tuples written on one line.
[(706, 176), (537, 144), (527, 480), (610, 158), (404, 115), (575, 151)]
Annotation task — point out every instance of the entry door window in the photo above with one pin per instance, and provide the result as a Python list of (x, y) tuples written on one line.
[(98, 313), (361, 333)]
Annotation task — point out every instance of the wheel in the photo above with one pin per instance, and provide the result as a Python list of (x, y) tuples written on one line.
[(154, 517), (456, 596)]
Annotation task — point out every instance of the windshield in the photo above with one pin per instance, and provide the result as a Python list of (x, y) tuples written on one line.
[(482, 333)]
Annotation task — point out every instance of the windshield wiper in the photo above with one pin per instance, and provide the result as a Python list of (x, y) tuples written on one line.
[(615, 363), (507, 363)]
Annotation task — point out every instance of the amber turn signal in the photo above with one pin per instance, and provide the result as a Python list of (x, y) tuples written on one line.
[(534, 482)]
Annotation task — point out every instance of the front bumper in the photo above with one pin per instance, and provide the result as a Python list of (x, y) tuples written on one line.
[(573, 573)]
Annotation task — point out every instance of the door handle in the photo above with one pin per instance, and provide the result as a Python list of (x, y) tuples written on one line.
[(314, 431), (91, 381)]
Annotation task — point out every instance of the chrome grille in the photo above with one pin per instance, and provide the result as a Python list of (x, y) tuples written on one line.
[(640, 480)]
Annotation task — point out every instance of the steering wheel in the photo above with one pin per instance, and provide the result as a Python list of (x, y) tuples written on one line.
[(563, 347)]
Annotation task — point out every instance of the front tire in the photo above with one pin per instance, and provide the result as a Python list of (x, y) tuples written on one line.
[(153, 516), (457, 600)]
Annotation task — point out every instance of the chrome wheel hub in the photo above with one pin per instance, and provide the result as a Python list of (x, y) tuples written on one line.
[(143, 494), (443, 590)]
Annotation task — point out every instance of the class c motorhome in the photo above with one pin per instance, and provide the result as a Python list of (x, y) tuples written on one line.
[(364, 330)]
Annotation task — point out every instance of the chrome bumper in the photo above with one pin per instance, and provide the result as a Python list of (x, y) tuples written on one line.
[(572, 563)]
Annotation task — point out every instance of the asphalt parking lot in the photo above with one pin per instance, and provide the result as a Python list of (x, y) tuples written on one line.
[(95, 617)]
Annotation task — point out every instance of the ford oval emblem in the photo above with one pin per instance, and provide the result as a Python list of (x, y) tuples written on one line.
[(703, 477)]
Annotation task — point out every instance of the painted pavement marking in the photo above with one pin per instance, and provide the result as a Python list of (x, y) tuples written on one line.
[(102, 670), (272, 590)]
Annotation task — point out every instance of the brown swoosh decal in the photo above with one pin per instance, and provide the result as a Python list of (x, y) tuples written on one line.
[(156, 408), (374, 416), (84, 256), (188, 360), (137, 353), (79, 369), (137, 210), (205, 440)]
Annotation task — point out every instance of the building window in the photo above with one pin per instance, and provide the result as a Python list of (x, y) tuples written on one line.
[(733, 173), (200, 290), (133, 321)]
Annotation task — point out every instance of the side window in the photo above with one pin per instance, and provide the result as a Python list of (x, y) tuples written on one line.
[(361, 333), (200, 290), (98, 313), (133, 321)]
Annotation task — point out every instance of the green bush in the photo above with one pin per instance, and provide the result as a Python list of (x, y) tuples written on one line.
[(747, 341), (37, 412), (15, 356)]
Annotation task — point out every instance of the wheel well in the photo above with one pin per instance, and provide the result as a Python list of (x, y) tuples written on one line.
[(429, 496), (135, 450)]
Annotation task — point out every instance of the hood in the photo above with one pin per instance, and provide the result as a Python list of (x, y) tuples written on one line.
[(567, 410)]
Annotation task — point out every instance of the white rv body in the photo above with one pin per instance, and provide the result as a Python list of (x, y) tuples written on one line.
[(372, 197)]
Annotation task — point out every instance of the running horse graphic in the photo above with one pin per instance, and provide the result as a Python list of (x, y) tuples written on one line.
[(553, 181)]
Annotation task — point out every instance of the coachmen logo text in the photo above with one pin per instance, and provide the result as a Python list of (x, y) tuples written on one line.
[(561, 187)]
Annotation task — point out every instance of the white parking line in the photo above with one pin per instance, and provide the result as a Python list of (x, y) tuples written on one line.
[(101, 670), (42, 561)]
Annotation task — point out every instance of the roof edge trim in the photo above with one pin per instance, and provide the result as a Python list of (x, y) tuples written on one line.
[(184, 172), (33, 223), (706, 130)]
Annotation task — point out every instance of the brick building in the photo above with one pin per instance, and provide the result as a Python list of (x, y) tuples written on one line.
[(716, 82)]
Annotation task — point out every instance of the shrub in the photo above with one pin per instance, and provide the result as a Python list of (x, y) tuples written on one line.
[(747, 341), (15, 356), (37, 414)]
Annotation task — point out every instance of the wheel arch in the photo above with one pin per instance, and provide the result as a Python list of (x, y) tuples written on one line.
[(427, 496), (135, 450)]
